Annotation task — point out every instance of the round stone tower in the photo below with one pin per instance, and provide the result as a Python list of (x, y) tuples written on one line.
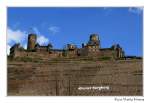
[(31, 41)]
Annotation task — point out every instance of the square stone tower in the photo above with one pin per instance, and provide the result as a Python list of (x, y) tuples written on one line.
[(31, 42), (94, 43)]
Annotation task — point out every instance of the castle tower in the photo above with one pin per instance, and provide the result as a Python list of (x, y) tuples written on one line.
[(31, 41), (94, 37), (94, 40), (119, 51), (71, 46)]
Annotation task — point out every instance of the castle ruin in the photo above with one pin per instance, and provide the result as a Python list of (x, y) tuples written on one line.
[(91, 49)]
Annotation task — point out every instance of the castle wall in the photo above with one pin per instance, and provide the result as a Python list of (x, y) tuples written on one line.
[(76, 53), (82, 52), (71, 53), (107, 53), (18, 53), (42, 49), (37, 54), (55, 54), (94, 54), (91, 49), (42, 55)]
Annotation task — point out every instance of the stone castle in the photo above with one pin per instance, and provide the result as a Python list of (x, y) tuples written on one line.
[(91, 49)]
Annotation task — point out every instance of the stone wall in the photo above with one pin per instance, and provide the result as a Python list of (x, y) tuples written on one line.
[(37, 54), (83, 52), (107, 53), (62, 78)]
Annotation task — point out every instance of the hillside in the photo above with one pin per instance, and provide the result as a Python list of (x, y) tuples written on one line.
[(67, 77)]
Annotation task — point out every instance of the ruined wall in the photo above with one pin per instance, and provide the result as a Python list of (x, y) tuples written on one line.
[(107, 53), (41, 55), (71, 53), (89, 52), (94, 53), (55, 54), (38, 54), (24, 53), (84, 52), (18, 53)]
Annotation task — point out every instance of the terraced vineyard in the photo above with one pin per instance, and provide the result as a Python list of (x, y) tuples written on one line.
[(65, 77)]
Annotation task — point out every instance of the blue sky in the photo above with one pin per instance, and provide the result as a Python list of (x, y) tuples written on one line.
[(59, 26)]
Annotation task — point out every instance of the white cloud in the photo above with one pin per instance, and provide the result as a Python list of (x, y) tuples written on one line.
[(16, 36), (54, 29), (136, 10), (8, 49), (42, 40)]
